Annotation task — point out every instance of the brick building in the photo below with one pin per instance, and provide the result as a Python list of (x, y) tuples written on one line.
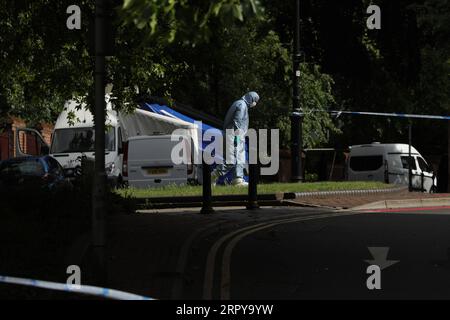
[(28, 142)]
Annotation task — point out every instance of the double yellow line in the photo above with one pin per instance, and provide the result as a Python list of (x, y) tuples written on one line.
[(234, 238)]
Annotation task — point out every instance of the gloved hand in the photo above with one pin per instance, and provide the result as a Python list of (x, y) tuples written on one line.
[(237, 136)]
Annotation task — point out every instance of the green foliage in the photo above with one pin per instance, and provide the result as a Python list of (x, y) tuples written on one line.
[(252, 57), (316, 94), (142, 66), (209, 53), (187, 19), (433, 88), (42, 65), (311, 177)]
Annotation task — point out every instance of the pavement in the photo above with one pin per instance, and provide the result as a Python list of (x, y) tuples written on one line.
[(367, 201), (396, 197)]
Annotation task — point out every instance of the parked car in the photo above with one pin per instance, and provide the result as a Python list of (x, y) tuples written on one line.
[(389, 163), (32, 172)]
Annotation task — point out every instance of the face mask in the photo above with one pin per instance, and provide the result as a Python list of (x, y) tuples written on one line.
[(253, 104)]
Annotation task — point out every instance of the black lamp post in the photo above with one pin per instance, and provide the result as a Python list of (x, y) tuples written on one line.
[(296, 116), (99, 188)]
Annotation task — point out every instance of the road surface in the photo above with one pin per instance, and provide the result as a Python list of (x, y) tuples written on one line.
[(275, 253), (323, 255)]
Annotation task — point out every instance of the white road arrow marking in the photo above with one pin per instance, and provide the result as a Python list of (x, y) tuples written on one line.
[(379, 255)]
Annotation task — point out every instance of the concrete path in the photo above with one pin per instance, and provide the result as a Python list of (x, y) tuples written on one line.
[(367, 201)]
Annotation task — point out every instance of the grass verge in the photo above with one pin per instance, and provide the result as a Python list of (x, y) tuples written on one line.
[(173, 190)]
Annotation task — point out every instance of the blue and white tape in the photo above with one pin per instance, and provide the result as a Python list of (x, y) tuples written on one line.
[(80, 289), (380, 114), (398, 115)]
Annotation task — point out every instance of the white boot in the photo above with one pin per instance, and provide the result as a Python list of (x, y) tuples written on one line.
[(239, 182), (214, 176)]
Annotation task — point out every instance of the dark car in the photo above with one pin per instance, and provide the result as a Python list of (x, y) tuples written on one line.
[(42, 172)]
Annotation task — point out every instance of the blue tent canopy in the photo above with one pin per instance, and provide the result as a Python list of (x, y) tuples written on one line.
[(166, 111)]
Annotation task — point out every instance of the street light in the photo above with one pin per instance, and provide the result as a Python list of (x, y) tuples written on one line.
[(102, 48), (296, 116)]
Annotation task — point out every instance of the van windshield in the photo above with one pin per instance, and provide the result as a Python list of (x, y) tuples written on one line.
[(79, 140), (423, 165)]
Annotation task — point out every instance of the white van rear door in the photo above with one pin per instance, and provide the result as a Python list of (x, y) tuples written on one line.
[(150, 163)]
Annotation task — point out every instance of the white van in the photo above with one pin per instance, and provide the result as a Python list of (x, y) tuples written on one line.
[(389, 163), (74, 139), (148, 162), (71, 141)]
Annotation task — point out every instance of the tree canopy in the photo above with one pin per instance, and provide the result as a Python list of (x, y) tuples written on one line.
[(207, 54)]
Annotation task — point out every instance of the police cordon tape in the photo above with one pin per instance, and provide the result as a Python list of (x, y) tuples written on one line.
[(381, 114), (398, 115), (80, 289)]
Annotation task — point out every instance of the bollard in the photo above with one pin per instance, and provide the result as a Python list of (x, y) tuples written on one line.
[(386, 172), (207, 193), (253, 187), (422, 176), (410, 159)]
